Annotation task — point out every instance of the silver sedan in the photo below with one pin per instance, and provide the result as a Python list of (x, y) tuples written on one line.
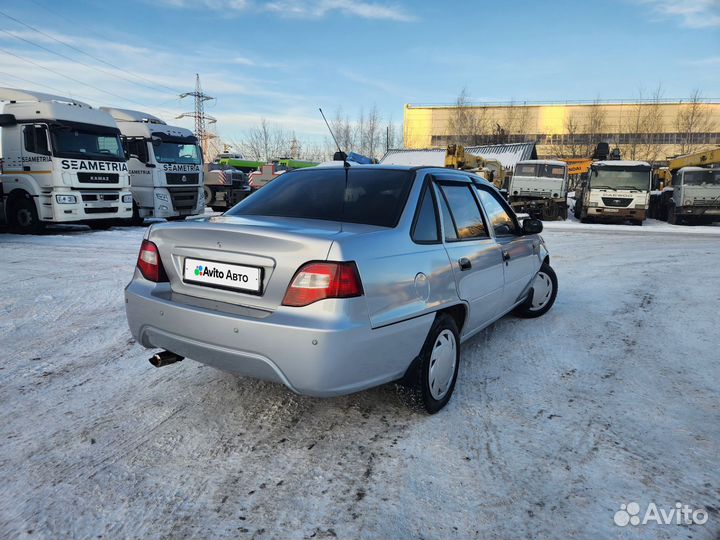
[(331, 280)]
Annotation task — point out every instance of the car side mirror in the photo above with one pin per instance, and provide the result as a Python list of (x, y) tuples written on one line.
[(532, 226)]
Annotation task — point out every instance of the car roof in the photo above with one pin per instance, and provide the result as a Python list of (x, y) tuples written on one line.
[(378, 167)]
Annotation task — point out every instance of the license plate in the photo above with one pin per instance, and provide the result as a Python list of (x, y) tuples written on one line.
[(221, 275), (610, 210)]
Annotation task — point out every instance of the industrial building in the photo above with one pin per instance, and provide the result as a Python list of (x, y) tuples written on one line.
[(644, 130)]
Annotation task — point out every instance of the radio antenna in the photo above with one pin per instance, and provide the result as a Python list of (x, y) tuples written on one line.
[(340, 153)]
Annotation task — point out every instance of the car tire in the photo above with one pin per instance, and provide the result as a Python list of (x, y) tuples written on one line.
[(23, 216), (430, 381), (545, 288)]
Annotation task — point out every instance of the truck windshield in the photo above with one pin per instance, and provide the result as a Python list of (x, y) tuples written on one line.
[(618, 178), (68, 142), (702, 178), (371, 196), (543, 170), (171, 152)]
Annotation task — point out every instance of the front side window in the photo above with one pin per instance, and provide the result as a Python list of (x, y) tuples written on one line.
[(500, 220), (35, 140), (137, 148), (465, 211)]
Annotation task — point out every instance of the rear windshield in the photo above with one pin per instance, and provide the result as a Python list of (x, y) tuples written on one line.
[(372, 196)]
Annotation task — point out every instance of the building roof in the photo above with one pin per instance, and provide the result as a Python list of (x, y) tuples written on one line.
[(507, 154)]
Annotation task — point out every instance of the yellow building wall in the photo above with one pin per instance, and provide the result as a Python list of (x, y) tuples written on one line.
[(422, 123)]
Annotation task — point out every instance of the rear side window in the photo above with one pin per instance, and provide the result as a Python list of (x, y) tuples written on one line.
[(466, 213), (372, 196), (500, 220), (426, 226)]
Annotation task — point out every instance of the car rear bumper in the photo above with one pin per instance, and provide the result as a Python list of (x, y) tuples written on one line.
[(325, 349)]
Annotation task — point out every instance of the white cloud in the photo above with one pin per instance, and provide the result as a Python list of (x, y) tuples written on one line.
[(309, 9), (689, 13)]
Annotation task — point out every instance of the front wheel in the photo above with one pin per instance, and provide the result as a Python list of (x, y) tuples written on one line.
[(24, 217), (430, 382), (544, 292)]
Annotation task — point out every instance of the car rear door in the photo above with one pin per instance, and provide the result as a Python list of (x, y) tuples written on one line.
[(519, 253), (474, 255)]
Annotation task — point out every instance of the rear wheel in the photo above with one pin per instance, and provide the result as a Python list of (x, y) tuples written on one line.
[(430, 382), (23, 216), (209, 196), (543, 296)]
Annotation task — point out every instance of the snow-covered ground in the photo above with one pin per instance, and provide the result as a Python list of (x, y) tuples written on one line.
[(611, 397)]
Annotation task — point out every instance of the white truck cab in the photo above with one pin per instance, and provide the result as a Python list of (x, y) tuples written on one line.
[(539, 187), (615, 190), (62, 162), (165, 163), (695, 195)]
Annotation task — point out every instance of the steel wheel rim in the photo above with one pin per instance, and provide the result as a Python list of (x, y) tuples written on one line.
[(442, 364), (542, 291), (24, 217)]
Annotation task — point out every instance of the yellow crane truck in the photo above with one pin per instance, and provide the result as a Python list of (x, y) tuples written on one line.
[(492, 170), (688, 189)]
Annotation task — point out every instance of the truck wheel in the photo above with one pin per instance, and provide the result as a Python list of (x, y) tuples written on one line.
[(136, 220), (23, 216), (545, 288), (209, 196), (430, 381), (578, 208)]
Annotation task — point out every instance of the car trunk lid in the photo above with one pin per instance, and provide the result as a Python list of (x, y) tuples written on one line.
[(275, 246)]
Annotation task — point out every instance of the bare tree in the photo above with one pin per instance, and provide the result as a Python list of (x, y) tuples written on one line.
[(693, 119), (467, 124), (265, 142), (595, 127), (642, 125), (567, 144)]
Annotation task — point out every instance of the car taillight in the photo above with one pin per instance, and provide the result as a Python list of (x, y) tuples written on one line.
[(150, 264), (318, 280)]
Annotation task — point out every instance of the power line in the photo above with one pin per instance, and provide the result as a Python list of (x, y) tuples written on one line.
[(72, 79), (61, 55), (44, 86), (155, 85)]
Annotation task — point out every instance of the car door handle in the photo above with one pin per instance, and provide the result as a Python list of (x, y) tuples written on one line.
[(506, 255), (464, 263)]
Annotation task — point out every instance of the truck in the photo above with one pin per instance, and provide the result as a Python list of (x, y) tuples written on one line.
[(688, 189), (539, 187), (490, 169), (165, 166), (225, 186), (62, 162), (614, 190)]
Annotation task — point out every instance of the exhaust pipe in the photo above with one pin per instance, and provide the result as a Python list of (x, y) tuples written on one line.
[(165, 358)]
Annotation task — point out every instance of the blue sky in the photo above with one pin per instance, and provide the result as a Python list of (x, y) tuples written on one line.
[(281, 60)]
